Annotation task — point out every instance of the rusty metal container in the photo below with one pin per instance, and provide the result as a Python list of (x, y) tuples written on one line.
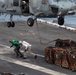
[(62, 43), (65, 59), (49, 55), (63, 54), (58, 56), (73, 60)]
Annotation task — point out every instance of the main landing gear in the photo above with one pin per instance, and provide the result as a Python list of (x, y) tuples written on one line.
[(30, 22), (10, 23), (60, 20)]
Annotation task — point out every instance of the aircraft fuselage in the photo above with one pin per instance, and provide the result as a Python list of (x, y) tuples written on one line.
[(10, 7), (49, 8), (37, 8)]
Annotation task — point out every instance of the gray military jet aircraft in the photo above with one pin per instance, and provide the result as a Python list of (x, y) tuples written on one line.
[(37, 8)]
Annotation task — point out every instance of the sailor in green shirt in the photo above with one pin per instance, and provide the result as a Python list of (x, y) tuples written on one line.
[(17, 46)]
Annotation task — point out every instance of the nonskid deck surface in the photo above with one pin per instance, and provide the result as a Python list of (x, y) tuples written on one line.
[(10, 63)]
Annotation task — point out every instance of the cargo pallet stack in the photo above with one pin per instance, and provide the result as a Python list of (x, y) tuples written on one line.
[(63, 54)]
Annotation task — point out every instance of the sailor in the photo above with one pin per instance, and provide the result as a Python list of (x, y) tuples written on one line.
[(17, 46), (27, 49), (25, 7)]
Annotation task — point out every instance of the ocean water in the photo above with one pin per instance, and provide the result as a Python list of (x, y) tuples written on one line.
[(69, 20)]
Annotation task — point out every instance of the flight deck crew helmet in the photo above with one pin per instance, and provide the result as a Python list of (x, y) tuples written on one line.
[(20, 41)]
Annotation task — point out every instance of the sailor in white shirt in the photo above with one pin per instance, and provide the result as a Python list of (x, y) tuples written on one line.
[(27, 50)]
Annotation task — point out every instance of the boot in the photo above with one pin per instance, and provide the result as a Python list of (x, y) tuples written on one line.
[(35, 57)]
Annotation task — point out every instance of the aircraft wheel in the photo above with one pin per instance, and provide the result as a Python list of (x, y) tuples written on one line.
[(30, 22), (12, 24), (8, 24), (61, 20)]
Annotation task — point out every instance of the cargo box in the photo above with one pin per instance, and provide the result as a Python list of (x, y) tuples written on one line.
[(49, 55), (73, 60), (65, 59), (58, 56), (63, 54)]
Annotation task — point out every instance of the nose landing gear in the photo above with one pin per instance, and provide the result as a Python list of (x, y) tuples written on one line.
[(60, 20)]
